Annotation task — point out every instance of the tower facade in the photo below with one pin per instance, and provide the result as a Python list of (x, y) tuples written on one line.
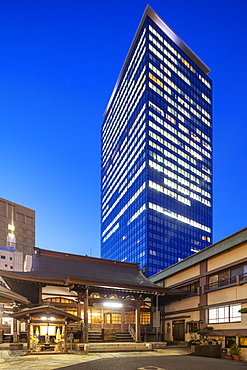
[(157, 153)]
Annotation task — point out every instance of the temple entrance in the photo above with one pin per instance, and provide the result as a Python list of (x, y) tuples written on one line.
[(178, 330)]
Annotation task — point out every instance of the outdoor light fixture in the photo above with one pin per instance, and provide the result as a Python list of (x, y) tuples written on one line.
[(43, 318), (113, 304)]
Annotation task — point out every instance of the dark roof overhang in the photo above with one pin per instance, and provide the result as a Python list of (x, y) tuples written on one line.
[(8, 296), (27, 313)]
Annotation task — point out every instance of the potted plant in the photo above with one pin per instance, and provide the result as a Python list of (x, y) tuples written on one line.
[(235, 351)]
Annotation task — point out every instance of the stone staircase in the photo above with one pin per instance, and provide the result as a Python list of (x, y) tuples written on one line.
[(124, 336), (95, 336), (114, 347)]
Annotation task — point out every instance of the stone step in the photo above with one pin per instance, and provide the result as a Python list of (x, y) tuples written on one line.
[(95, 336), (124, 337), (7, 338), (114, 347)]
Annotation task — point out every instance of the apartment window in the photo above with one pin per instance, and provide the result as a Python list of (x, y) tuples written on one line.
[(192, 287), (223, 314), (234, 314), (220, 279), (3, 257), (241, 271), (227, 277), (223, 275)]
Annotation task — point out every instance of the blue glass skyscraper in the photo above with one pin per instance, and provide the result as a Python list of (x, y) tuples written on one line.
[(157, 153)]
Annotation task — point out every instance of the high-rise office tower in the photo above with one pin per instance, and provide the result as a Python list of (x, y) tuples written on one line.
[(157, 153)]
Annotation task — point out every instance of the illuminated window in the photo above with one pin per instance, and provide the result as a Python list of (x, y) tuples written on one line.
[(50, 330), (145, 318), (187, 64), (116, 318), (155, 79), (169, 118), (224, 314), (58, 300), (183, 128), (94, 317), (129, 317)]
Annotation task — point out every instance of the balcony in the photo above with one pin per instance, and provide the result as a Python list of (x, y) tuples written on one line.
[(243, 278), (225, 283)]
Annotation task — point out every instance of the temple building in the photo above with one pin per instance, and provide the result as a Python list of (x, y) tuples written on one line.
[(68, 301), (89, 299)]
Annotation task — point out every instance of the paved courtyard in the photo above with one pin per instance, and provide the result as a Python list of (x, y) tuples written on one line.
[(163, 359)]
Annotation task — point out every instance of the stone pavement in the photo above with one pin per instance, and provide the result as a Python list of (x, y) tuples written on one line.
[(161, 359)]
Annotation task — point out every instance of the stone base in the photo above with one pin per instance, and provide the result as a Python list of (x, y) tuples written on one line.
[(16, 346)]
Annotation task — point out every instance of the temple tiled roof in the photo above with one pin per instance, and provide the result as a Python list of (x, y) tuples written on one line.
[(64, 269)]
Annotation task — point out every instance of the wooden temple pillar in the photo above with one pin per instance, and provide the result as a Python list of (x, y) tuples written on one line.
[(1, 323), (122, 319), (85, 326), (138, 320), (65, 336), (102, 319), (79, 298), (28, 334), (15, 335)]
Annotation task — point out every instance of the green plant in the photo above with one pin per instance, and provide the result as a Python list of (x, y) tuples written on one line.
[(235, 349), (243, 310), (205, 331)]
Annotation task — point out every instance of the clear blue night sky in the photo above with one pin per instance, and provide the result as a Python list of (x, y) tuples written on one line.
[(59, 62)]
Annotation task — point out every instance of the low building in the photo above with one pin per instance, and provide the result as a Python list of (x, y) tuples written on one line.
[(112, 299), (17, 236), (215, 281)]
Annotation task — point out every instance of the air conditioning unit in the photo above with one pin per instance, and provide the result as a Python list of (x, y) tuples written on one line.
[(225, 351)]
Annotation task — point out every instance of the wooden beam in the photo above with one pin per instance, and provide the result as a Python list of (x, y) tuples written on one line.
[(85, 326)]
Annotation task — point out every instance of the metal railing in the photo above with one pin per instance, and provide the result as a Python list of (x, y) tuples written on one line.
[(220, 283), (243, 277)]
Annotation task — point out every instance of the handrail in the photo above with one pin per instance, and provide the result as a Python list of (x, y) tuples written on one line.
[(243, 277), (221, 282), (132, 332)]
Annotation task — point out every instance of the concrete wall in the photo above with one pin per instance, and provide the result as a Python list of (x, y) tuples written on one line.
[(184, 275)]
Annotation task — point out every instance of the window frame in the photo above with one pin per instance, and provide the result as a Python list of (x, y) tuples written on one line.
[(224, 314)]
